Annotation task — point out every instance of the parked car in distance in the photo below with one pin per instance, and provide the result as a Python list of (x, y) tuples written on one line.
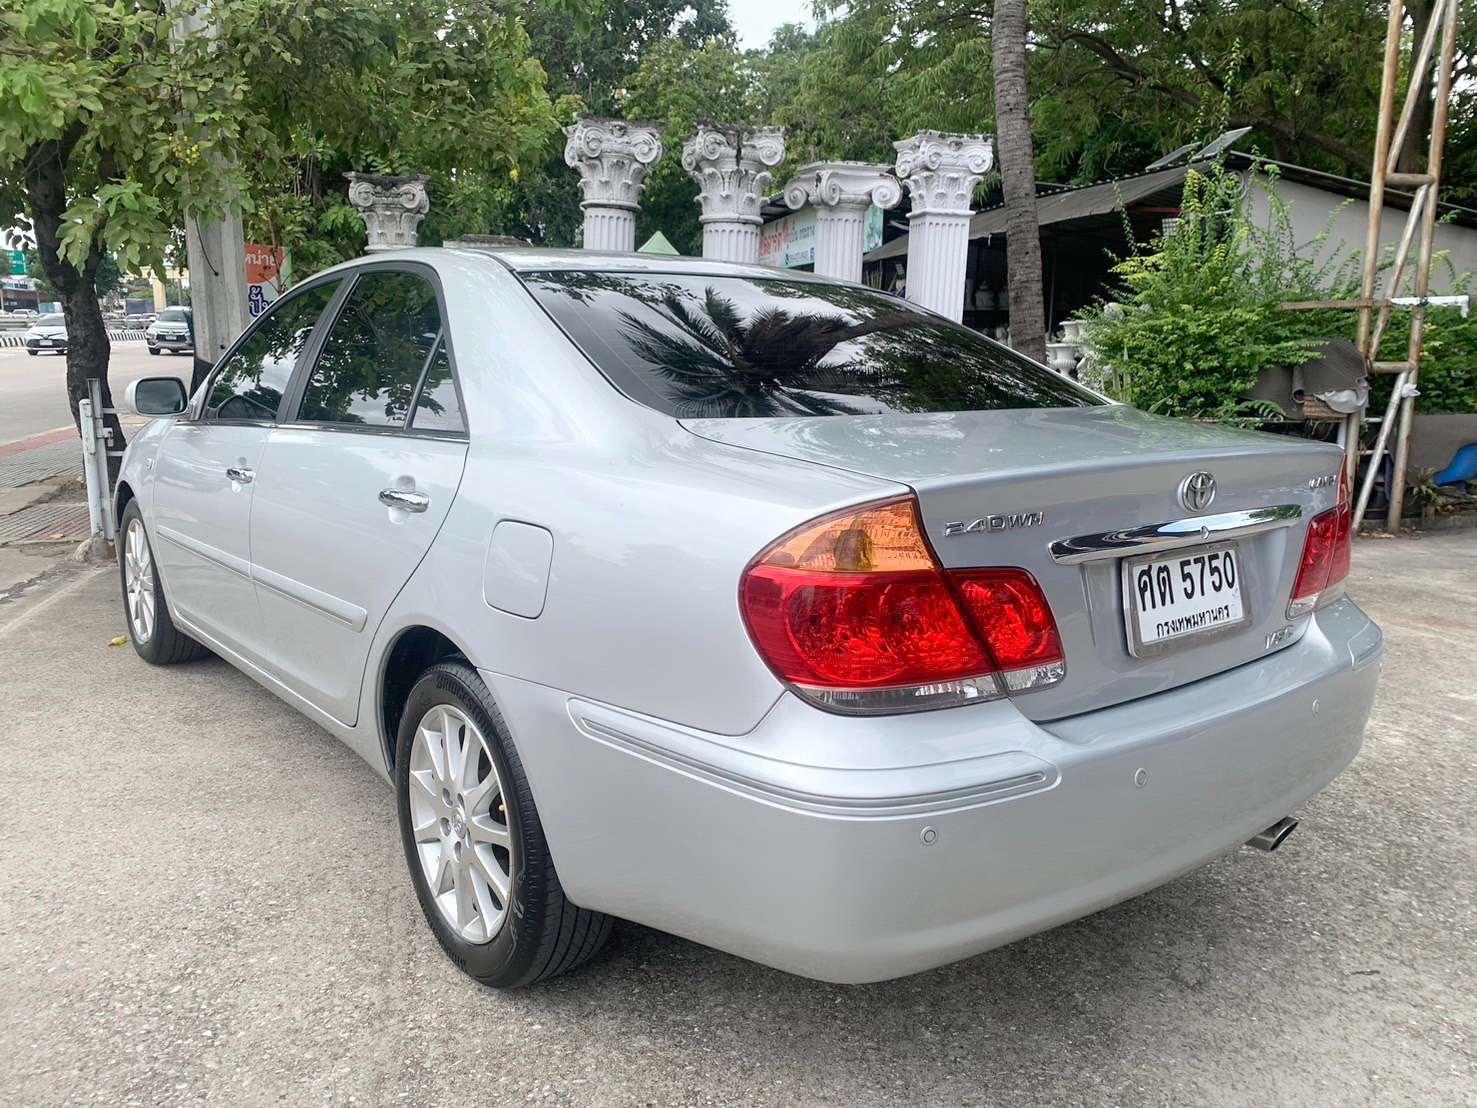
[(771, 611), (49, 332), (173, 332)]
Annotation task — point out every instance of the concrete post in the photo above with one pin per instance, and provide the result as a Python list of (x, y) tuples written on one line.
[(392, 208), (732, 168), (841, 192), (613, 158), (941, 171), (216, 253)]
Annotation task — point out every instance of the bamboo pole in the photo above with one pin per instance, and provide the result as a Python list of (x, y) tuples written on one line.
[(1417, 84), (1423, 265), (1376, 212)]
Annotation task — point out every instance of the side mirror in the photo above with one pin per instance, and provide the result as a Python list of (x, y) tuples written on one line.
[(156, 396)]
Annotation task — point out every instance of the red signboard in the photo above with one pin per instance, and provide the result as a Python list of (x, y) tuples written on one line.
[(263, 263)]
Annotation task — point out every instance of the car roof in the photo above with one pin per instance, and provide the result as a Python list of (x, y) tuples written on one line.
[(533, 259)]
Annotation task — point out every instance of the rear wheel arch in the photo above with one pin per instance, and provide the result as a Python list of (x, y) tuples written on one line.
[(121, 498), (414, 650)]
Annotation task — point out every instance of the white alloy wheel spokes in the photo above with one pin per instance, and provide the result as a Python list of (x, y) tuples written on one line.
[(460, 822), (138, 581)]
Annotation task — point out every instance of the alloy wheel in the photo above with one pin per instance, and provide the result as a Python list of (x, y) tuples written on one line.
[(138, 581), (459, 819)]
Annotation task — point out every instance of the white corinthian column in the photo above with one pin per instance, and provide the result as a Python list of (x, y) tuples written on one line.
[(731, 166), (941, 171), (841, 192), (612, 157), (392, 208)]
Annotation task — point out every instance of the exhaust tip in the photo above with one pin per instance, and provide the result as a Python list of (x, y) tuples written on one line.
[(1273, 837)]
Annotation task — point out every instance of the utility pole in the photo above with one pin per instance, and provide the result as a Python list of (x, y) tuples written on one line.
[(216, 255)]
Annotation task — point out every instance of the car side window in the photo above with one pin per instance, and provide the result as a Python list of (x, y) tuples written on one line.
[(438, 408), (375, 352), (250, 384)]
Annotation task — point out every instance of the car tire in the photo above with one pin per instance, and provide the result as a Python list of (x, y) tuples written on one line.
[(540, 933), (153, 353), (155, 638), (32, 353)]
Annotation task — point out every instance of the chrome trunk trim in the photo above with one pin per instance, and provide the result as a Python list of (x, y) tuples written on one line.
[(1174, 534)]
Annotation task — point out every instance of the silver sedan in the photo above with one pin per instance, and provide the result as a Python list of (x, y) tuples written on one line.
[(770, 611)]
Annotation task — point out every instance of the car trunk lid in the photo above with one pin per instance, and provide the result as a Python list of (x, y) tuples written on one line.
[(1068, 494)]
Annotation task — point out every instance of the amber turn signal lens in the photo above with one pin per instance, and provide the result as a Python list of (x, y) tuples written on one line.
[(881, 538)]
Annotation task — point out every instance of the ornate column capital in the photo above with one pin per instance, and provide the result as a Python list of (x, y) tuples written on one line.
[(612, 157), (392, 208), (732, 168), (843, 185), (942, 169)]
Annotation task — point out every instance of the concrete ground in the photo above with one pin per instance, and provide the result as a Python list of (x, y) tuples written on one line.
[(202, 896)]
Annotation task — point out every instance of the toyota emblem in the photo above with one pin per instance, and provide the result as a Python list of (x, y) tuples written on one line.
[(1197, 490)]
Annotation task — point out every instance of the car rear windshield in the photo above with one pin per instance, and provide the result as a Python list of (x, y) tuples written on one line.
[(51, 321), (699, 346), (173, 315)]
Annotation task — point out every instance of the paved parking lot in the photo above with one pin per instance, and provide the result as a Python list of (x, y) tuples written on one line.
[(202, 896)]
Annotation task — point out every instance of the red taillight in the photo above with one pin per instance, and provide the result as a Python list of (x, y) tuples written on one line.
[(1325, 560), (1012, 614), (853, 611), (1343, 539)]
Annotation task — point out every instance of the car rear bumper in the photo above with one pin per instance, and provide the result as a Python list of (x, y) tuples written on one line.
[(861, 849)]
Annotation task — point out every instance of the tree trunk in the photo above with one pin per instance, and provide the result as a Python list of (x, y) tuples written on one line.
[(1018, 179), (1412, 154), (88, 348)]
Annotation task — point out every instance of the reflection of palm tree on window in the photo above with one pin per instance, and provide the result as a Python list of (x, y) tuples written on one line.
[(774, 362)]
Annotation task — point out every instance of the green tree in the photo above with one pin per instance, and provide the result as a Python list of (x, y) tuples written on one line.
[(676, 86), (590, 56), (112, 133), (1115, 84), (85, 166), (447, 90)]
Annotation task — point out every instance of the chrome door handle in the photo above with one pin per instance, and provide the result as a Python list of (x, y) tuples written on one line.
[(241, 475), (404, 500)]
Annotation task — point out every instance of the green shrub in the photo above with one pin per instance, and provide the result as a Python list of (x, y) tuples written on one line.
[(1197, 317), (1448, 377)]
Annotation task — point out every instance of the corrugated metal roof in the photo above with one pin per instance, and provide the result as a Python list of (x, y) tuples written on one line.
[(1109, 196), (1059, 207)]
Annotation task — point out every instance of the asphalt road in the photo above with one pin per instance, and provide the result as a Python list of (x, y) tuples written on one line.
[(33, 395), (203, 898)]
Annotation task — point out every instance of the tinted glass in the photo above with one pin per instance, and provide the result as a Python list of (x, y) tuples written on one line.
[(373, 356), (250, 384), (51, 321), (438, 408), (701, 346), (173, 315)]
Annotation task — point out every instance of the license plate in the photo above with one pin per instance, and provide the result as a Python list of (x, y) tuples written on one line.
[(53, 342), (1176, 596)]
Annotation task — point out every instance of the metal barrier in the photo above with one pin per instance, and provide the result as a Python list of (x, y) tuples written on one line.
[(96, 439), (115, 334)]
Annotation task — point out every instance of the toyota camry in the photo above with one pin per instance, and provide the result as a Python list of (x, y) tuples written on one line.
[(767, 610)]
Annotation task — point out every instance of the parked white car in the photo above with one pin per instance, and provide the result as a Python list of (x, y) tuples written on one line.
[(171, 333), (767, 610), (49, 332)]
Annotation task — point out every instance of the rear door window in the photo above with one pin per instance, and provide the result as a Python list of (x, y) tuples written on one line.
[(249, 385), (376, 353), (692, 345)]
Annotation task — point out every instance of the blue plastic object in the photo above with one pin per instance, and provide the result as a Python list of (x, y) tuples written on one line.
[(1461, 468)]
